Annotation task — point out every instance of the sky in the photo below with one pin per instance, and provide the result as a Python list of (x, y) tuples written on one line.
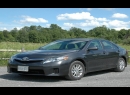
[(84, 18)]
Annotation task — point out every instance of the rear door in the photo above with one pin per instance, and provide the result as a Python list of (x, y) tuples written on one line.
[(111, 53)]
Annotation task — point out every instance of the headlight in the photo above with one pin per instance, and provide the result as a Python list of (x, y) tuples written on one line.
[(56, 59), (12, 58)]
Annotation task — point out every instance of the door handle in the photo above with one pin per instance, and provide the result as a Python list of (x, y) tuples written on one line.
[(117, 51), (104, 52)]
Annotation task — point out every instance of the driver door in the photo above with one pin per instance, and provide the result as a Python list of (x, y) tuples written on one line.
[(95, 57)]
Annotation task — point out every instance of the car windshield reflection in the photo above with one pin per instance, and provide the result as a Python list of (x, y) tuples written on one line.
[(64, 45)]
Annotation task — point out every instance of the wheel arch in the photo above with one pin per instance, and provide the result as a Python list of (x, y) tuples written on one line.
[(81, 60)]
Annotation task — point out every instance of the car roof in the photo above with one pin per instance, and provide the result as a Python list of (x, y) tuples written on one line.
[(81, 39)]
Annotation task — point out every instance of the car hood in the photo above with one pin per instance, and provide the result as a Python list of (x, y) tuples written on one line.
[(43, 53)]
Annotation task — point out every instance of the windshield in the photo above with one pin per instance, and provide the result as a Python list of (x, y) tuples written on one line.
[(64, 45)]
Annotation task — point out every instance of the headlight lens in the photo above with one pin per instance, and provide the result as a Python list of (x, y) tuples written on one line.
[(12, 58), (56, 59)]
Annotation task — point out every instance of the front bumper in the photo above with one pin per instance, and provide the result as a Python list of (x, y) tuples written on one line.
[(37, 68)]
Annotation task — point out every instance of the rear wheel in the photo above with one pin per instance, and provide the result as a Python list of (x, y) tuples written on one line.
[(76, 71), (121, 65)]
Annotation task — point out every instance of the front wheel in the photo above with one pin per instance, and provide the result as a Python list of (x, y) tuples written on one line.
[(76, 71), (121, 65)]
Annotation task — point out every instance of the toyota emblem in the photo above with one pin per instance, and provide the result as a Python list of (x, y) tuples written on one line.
[(25, 59)]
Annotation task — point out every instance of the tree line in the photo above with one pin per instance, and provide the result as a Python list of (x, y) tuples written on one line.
[(38, 34)]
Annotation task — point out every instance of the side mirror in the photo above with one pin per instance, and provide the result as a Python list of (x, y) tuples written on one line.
[(39, 48), (93, 48)]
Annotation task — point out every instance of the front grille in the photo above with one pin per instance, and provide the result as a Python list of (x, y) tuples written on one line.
[(34, 71), (27, 61)]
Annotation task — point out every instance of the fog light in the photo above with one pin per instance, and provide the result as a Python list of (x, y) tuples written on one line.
[(56, 70)]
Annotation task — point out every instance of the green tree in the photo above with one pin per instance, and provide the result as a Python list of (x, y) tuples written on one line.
[(23, 36), (14, 34), (33, 27), (7, 36), (33, 36), (56, 32), (1, 36), (122, 33), (26, 28)]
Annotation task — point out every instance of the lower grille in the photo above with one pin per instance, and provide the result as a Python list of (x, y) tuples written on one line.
[(14, 70)]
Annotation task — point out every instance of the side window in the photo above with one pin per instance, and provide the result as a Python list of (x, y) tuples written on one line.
[(76, 45), (81, 44), (95, 43), (55, 46), (107, 45), (115, 47)]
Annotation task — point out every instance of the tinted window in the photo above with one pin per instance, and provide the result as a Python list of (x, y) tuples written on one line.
[(107, 45), (95, 44), (114, 46), (75, 45), (64, 45)]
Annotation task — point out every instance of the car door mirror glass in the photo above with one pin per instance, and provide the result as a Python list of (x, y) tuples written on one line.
[(93, 48), (39, 48)]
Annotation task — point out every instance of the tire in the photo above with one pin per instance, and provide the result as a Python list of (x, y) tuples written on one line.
[(121, 65), (76, 71)]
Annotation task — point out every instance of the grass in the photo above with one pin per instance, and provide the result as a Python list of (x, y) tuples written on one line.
[(16, 46), (26, 46), (3, 62), (127, 47)]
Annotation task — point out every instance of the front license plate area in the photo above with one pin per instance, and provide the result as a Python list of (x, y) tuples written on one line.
[(23, 68)]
